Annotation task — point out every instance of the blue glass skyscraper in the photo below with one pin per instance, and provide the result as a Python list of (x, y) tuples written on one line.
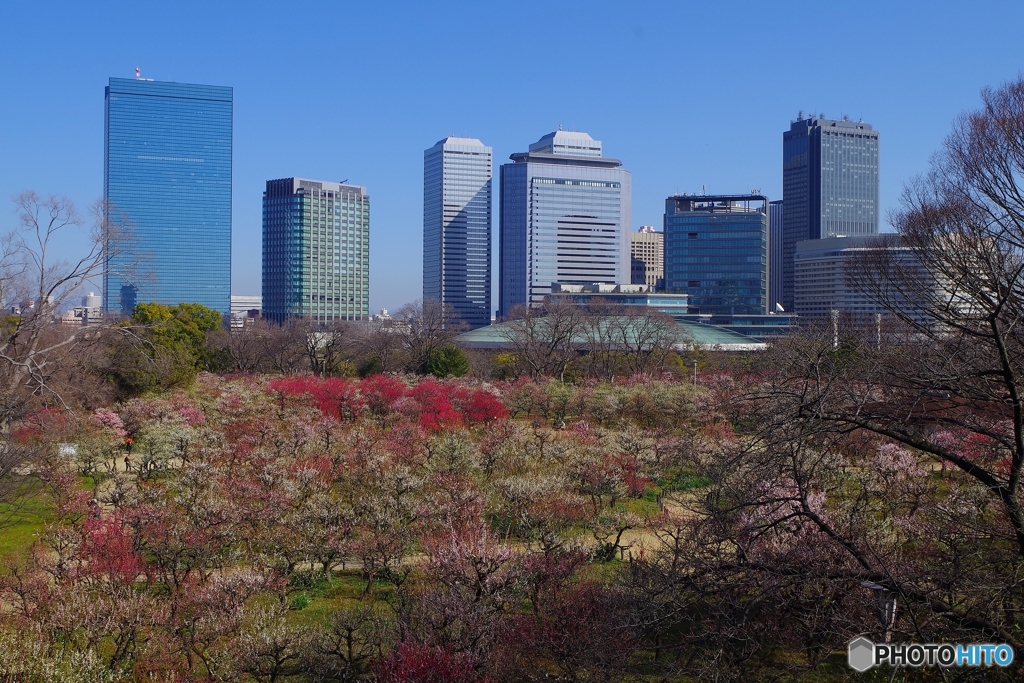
[(716, 250), (829, 185), (565, 217), (167, 173), (457, 227)]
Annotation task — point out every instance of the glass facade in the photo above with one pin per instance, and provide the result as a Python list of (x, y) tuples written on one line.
[(829, 185), (316, 251), (774, 255), (716, 250), (167, 172), (565, 216), (457, 227)]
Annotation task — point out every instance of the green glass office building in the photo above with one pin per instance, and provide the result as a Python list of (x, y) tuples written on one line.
[(316, 251)]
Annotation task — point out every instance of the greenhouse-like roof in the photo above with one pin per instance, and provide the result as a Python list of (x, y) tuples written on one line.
[(707, 337)]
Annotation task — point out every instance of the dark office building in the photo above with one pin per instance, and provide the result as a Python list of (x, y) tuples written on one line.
[(716, 251), (829, 185), (167, 173)]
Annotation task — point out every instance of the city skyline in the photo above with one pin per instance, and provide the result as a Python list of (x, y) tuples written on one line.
[(909, 73)]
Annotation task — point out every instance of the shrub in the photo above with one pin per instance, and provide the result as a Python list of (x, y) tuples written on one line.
[(448, 361), (381, 392), (434, 405), (484, 407), (412, 663), (371, 366)]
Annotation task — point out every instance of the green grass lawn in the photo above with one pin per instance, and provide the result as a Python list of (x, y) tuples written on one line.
[(316, 603), (20, 525)]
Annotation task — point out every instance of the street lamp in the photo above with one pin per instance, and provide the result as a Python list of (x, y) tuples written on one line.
[(886, 610)]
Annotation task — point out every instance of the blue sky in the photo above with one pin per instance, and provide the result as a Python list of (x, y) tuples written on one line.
[(686, 94)]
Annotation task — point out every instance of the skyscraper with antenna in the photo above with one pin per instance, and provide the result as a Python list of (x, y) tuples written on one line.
[(829, 185)]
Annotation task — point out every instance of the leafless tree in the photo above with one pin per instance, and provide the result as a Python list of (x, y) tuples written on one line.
[(30, 274), (629, 339), (286, 347), (603, 357), (382, 340), (964, 224), (883, 466), (44, 363), (248, 346), (545, 339), (425, 326), (649, 338), (331, 347)]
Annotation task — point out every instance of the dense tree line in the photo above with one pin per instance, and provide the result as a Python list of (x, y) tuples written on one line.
[(418, 339)]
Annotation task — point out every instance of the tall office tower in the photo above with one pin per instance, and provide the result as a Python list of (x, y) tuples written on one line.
[(829, 185), (457, 227), (774, 255), (716, 250), (167, 173), (565, 215), (648, 257), (316, 251)]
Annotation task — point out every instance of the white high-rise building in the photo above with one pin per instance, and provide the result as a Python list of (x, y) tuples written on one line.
[(92, 300), (565, 217), (822, 284), (457, 227)]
